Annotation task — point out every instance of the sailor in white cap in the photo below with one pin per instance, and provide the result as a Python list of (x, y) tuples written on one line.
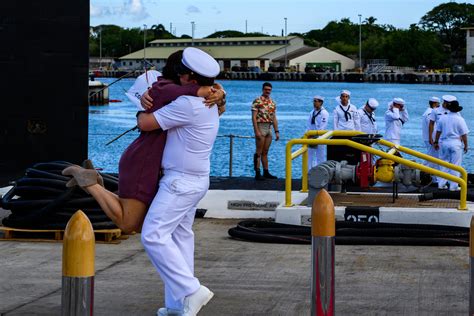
[(167, 234), (452, 130), (434, 117), (367, 117), (425, 132), (345, 114), (318, 120), (395, 117)]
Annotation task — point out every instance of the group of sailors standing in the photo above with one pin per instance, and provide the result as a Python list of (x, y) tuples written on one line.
[(444, 129)]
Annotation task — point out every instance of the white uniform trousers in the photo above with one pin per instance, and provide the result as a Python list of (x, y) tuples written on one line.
[(431, 151), (316, 156), (167, 234), (451, 151)]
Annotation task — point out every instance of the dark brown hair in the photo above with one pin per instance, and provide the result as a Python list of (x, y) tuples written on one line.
[(169, 70), (201, 80)]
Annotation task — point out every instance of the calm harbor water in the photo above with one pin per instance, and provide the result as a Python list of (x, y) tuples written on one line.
[(294, 102)]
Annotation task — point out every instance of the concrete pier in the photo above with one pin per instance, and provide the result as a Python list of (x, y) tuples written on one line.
[(247, 278)]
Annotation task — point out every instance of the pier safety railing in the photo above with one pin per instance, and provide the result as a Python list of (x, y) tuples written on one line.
[(231, 148), (324, 138)]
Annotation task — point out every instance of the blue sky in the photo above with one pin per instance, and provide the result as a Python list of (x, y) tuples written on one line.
[(261, 15)]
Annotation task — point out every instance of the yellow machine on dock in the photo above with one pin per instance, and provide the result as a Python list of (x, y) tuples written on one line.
[(384, 170)]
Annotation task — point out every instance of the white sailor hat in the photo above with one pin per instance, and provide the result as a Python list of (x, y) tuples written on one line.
[(373, 103), (434, 99), (200, 62), (449, 98), (345, 92), (398, 101), (318, 97)]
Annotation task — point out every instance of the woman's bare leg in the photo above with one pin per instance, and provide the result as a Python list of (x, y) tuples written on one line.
[(127, 214)]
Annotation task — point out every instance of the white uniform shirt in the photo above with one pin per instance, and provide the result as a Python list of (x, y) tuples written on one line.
[(192, 129), (321, 119), (367, 121), (394, 120), (425, 125), (436, 114), (353, 120), (452, 126)]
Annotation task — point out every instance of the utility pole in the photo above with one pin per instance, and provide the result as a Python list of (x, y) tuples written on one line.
[(144, 45), (192, 33), (286, 44), (245, 26), (100, 48), (171, 27), (360, 43)]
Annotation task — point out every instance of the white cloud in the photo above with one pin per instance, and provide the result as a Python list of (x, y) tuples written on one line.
[(99, 11), (136, 8), (192, 9), (132, 8), (95, 11)]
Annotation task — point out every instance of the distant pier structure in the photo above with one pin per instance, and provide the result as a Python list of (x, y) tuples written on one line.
[(375, 77)]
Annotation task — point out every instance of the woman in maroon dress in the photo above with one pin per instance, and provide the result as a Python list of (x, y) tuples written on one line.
[(140, 164)]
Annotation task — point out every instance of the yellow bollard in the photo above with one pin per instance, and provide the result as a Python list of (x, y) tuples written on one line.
[(323, 232), (78, 267)]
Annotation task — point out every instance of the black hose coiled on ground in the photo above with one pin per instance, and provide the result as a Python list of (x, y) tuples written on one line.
[(355, 233), (41, 200), (445, 194)]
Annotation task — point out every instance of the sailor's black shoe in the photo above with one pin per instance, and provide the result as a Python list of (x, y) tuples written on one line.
[(267, 175)]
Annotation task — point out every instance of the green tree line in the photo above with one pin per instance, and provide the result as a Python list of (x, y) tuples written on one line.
[(436, 41)]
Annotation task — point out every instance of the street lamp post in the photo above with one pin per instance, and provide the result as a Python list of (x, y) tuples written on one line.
[(360, 43), (192, 33), (286, 44)]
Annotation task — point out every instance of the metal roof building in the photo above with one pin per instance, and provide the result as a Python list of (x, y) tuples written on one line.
[(319, 59), (229, 52)]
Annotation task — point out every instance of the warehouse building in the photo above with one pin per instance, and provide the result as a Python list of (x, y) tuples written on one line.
[(239, 53)]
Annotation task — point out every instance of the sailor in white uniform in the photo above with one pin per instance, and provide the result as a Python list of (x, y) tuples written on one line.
[(428, 138), (346, 116), (395, 117), (434, 117), (367, 117), (167, 234), (452, 130), (318, 120)]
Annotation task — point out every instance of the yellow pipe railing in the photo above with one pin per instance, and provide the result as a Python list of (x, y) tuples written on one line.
[(304, 176), (304, 151), (426, 157), (394, 148), (346, 142)]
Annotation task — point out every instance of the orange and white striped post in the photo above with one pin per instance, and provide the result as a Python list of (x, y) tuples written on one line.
[(323, 232)]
